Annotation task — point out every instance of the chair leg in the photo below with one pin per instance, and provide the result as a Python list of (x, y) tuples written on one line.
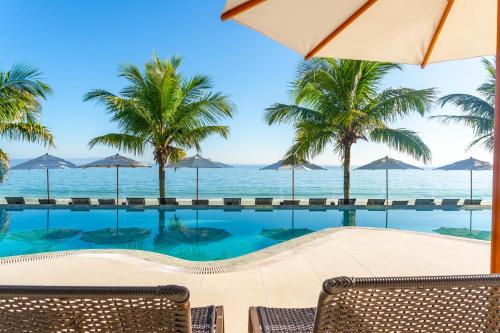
[(253, 321), (219, 319)]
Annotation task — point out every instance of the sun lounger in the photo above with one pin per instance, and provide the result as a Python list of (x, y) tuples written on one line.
[(105, 309), (232, 201), (375, 202), (400, 203), (424, 202), (136, 201), (348, 202), (450, 202), (400, 304), (317, 201), (15, 200), (168, 201), (80, 201), (472, 202), (106, 201), (47, 201), (263, 201), (200, 202), (290, 203)]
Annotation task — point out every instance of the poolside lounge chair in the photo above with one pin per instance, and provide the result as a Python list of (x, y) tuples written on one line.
[(80, 201), (106, 201), (232, 201), (450, 202), (400, 304), (400, 202), (136, 201), (168, 201), (263, 201), (348, 202), (47, 201), (290, 203), (15, 200), (200, 202), (317, 201), (105, 309), (424, 202), (472, 202), (375, 202)]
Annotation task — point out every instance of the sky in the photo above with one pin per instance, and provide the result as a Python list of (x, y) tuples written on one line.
[(79, 45)]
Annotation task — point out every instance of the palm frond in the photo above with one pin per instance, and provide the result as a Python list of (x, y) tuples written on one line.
[(120, 141), (403, 140), (30, 132)]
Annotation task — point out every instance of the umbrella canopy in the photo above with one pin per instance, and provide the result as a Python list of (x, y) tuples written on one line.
[(286, 165), (470, 164), (387, 163), (46, 162), (198, 162), (116, 161), (403, 31)]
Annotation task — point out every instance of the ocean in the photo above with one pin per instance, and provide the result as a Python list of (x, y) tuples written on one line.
[(247, 181)]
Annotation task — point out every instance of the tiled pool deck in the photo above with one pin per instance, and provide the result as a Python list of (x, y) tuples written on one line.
[(289, 274)]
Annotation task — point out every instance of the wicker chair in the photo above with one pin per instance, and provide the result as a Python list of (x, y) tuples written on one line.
[(105, 309), (407, 304)]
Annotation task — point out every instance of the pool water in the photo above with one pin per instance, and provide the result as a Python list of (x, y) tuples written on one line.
[(209, 234)]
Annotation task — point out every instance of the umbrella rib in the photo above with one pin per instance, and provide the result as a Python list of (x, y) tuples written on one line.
[(340, 28), (437, 32), (240, 9)]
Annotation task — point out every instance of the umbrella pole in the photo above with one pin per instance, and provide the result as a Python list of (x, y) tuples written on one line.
[(117, 185), (471, 185), (48, 187), (293, 185), (495, 221), (197, 184), (387, 187)]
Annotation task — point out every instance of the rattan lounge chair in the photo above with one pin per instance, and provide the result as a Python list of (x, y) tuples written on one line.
[(402, 304), (375, 202), (424, 202), (263, 201), (15, 200), (200, 202), (232, 201), (47, 201), (107, 202), (348, 202), (290, 203), (450, 202), (168, 201), (401, 203), (472, 202), (105, 309), (80, 201), (317, 201), (136, 201)]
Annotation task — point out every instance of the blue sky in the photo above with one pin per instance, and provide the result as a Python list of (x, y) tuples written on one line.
[(80, 44)]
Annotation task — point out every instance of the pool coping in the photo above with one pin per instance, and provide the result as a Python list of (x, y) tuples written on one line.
[(259, 258)]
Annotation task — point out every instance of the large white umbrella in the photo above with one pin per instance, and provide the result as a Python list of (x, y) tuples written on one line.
[(46, 162), (470, 164), (116, 161), (387, 163), (197, 162), (285, 165), (404, 31)]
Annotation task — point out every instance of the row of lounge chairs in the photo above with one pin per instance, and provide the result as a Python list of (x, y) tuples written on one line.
[(400, 304), (258, 202)]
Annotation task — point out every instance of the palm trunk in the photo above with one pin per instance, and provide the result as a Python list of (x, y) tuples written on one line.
[(161, 177), (346, 163)]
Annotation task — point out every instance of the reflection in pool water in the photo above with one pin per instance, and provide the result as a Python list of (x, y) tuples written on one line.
[(209, 234)]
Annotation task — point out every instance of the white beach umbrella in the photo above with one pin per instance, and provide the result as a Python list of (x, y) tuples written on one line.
[(197, 162), (404, 31), (285, 165), (470, 164), (387, 163), (116, 161), (46, 162)]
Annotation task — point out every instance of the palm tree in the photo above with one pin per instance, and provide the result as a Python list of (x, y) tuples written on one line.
[(21, 90), (162, 110), (477, 112), (338, 102)]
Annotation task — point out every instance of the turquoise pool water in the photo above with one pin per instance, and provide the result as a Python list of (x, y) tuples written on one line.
[(210, 234)]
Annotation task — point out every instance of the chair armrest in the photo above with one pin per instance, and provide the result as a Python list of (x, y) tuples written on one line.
[(219, 319), (253, 321)]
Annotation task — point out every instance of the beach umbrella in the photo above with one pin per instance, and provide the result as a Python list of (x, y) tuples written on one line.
[(470, 164), (116, 161), (46, 162), (286, 165), (197, 162), (403, 31), (387, 163)]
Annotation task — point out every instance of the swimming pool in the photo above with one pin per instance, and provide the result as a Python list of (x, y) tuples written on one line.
[(208, 234)]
